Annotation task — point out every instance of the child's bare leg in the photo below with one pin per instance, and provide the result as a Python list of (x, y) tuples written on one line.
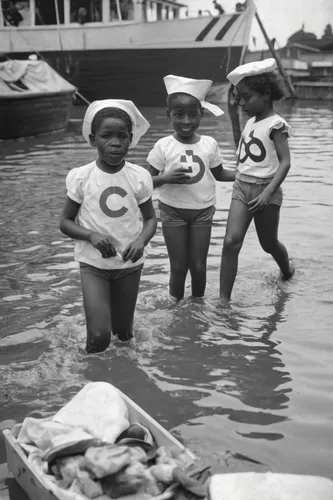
[(267, 225), (199, 240), (176, 240), (124, 294), (96, 300), (238, 222)]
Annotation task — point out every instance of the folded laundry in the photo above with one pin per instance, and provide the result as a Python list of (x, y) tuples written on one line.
[(98, 409)]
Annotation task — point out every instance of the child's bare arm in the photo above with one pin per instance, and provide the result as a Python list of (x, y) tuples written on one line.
[(282, 149), (223, 174), (67, 221), (135, 249), (68, 226), (176, 176)]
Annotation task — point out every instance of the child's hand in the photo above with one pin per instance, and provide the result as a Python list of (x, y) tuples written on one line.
[(177, 176), (259, 203), (103, 244), (134, 250)]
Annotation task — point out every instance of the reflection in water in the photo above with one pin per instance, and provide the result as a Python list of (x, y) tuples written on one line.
[(212, 358), (253, 378)]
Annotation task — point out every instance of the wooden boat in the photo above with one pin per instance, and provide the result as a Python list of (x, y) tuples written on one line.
[(19, 466), (109, 55), (34, 99)]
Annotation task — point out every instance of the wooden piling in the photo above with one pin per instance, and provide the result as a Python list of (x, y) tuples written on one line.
[(277, 58)]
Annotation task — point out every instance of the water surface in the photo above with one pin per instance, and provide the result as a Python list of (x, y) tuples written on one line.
[(253, 380)]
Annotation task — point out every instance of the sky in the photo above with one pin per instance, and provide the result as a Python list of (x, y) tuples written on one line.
[(280, 18)]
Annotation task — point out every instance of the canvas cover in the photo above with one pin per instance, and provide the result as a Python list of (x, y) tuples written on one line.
[(36, 76)]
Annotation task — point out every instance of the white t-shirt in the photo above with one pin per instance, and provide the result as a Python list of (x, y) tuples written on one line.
[(169, 154), (256, 150), (110, 206)]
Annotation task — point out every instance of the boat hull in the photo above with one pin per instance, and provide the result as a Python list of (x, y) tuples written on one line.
[(27, 115), (129, 60), (137, 74), (21, 469)]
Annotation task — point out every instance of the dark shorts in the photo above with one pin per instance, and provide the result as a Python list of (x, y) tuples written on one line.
[(175, 217), (109, 274), (247, 191)]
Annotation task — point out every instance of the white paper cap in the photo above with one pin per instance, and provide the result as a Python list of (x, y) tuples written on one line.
[(251, 69), (139, 124), (196, 88)]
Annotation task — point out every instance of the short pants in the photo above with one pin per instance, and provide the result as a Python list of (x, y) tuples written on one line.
[(246, 191), (109, 274), (175, 217)]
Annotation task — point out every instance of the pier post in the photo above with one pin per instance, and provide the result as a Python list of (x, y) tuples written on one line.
[(67, 12), (106, 11), (233, 110), (32, 6), (1, 17), (277, 58)]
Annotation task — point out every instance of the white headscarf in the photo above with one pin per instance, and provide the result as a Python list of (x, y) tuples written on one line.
[(139, 124), (196, 88), (251, 69)]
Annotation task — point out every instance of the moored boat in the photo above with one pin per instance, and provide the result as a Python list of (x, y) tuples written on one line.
[(34, 99), (29, 474), (111, 54)]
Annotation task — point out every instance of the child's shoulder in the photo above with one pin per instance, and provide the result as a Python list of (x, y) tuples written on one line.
[(83, 170), (134, 167), (207, 139), (277, 122), (266, 122), (278, 118), (165, 141), (136, 170), (267, 125)]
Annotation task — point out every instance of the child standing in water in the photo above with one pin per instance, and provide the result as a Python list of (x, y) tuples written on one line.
[(184, 166), (102, 212), (263, 164)]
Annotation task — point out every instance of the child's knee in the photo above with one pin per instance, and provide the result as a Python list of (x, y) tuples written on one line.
[(269, 246), (179, 269), (98, 341), (232, 244), (198, 268)]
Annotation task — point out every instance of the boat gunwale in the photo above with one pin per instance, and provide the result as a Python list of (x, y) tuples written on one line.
[(63, 27), (31, 95)]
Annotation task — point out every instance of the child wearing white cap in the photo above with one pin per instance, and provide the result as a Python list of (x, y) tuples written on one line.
[(184, 167), (263, 164), (105, 200)]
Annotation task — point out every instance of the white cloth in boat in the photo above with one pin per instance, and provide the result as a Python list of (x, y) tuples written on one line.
[(251, 69), (196, 88), (37, 76), (98, 410), (139, 124), (269, 486)]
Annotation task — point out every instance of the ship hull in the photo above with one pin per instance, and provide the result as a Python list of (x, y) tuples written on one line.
[(129, 60), (138, 74)]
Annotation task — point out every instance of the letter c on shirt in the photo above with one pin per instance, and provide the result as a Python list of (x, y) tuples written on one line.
[(103, 199)]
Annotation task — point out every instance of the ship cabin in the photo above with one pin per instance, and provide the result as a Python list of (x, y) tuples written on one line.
[(32, 13)]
